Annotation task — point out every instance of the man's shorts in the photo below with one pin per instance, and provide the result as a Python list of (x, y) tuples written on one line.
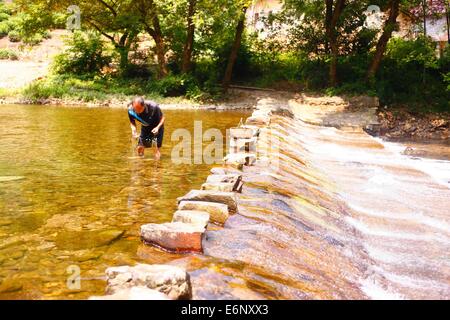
[(147, 137)]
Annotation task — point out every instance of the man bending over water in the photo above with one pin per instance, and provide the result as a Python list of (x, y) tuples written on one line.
[(149, 114)]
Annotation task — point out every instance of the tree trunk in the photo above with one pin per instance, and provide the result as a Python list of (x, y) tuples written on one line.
[(157, 36), (334, 60), (424, 8), (234, 50), (123, 65), (328, 17), (389, 27), (189, 45), (123, 49), (447, 15), (332, 20)]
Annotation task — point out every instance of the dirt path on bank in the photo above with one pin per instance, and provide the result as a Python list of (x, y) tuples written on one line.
[(33, 63)]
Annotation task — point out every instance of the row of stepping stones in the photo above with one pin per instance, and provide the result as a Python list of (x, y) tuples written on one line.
[(214, 203)]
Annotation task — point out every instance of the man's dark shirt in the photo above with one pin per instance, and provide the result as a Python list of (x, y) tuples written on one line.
[(149, 118)]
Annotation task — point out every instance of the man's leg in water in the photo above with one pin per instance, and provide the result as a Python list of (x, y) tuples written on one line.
[(140, 149), (157, 153), (159, 140)]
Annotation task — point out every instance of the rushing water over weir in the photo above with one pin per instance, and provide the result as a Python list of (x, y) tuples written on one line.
[(340, 216)]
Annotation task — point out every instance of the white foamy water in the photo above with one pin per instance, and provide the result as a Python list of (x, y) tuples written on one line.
[(413, 216), (395, 234), (375, 291), (439, 170)]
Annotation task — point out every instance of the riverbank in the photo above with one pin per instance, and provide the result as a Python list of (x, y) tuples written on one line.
[(401, 124), (342, 112), (117, 93)]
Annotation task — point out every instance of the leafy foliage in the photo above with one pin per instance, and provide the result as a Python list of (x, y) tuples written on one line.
[(8, 54), (86, 54)]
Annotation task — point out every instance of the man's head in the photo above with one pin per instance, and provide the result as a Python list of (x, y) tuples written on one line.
[(138, 104)]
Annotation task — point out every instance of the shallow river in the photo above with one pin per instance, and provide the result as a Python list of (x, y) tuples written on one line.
[(77, 198)]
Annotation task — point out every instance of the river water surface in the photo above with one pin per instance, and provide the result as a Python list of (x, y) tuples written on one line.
[(75, 199)]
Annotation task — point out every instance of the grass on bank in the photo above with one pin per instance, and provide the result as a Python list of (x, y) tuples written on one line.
[(96, 90)]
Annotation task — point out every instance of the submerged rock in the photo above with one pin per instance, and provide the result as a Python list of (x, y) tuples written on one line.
[(134, 293), (77, 240), (196, 217), (170, 280), (228, 198), (175, 236), (10, 286), (218, 212), (5, 222), (11, 178)]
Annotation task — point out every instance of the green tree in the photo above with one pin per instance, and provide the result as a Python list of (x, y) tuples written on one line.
[(328, 29), (115, 20)]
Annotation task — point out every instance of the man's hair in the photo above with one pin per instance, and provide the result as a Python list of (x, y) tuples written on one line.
[(139, 100)]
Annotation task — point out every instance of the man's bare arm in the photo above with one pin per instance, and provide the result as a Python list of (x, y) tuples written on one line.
[(156, 130), (133, 129)]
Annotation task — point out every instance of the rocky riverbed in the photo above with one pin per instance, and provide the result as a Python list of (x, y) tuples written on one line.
[(404, 124)]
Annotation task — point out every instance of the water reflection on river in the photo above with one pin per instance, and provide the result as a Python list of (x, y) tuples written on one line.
[(75, 197)]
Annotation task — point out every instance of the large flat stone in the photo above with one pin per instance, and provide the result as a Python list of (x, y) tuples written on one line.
[(218, 212), (175, 236), (228, 198), (134, 293), (197, 217), (170, 280)]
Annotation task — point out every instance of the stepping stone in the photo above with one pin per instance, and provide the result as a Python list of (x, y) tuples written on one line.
[(218, 186), (218, 212), (228, 198), (229, 178), (266, 112), (196, 217), (234, 179), (247, 159), (243, 145), (259, 120), (10, 178), (218, 171), (256, 129), (170, 280), (239, 187), (176, 236), (225, 171), (134, 293), (241, 133)]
